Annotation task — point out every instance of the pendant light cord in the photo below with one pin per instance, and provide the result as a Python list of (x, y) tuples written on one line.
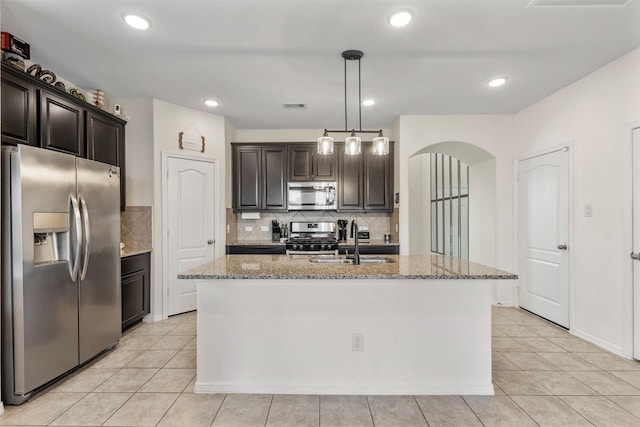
[(359, 97), (345, 94)]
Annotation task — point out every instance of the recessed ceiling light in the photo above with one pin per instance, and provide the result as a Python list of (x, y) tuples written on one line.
[(498, 81), (136, 21), (368, 102), (401, 17), (211, 103)]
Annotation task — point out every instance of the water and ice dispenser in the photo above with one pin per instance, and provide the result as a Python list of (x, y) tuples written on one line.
[(50, 237)]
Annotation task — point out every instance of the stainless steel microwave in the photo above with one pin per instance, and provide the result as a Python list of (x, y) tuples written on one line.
[(312, 196)]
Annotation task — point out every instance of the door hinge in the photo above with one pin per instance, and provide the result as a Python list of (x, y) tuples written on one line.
[(167, 174)]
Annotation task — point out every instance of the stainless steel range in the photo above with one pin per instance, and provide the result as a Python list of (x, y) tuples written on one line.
[(312, 238)]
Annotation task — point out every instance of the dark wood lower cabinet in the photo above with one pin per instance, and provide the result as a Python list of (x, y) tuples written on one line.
[(136, 302)]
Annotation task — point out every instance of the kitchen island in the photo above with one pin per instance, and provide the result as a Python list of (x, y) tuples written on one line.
[(283, 324)]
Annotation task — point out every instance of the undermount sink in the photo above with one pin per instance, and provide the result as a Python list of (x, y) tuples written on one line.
[(330, 259), (376, 259), (333, 259)]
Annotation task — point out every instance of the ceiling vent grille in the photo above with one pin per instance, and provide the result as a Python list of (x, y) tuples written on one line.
[(577, 3), (294, 106)]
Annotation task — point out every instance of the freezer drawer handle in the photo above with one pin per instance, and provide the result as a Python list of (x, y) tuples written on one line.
[(73, 270), (87, 236)]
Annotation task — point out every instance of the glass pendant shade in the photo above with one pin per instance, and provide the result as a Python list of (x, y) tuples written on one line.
[(352, 145), (325, 145), (381, 145)]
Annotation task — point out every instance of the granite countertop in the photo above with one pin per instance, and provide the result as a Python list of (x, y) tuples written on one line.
[(255, 243), (347, 243), (131, 249), (299, 267)]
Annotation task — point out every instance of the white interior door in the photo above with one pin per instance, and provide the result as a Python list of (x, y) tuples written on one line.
[(190, 234), (543, 228), (636, 242)]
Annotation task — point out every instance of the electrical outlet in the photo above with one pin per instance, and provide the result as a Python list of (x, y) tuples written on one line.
[(357, 342), (264, 228), (228, 229), (363, 228), (248, 228)]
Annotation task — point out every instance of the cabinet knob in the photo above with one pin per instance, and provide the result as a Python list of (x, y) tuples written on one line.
[(210, 242)]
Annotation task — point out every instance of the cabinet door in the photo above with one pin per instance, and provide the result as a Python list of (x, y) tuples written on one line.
[(274, 178), (350, 196), (378, 176), (247, 169), (301, 162), (324, 167), (105, 143), (136, 301), (61, 124), (18, 111)]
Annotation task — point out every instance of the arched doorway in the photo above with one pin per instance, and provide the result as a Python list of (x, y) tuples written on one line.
[(481, 199)]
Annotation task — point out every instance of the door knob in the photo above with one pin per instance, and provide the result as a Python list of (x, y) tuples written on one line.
[(635, 256), (210, 242), (562, 247)]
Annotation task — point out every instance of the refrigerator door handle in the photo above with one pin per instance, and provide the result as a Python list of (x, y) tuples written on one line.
[(87, 236), (73, 268)]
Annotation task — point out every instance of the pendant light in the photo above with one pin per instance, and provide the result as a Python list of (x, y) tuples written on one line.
[(325, 144), (353, 143)]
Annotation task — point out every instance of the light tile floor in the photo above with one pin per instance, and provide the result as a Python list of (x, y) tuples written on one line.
[(542, 375)]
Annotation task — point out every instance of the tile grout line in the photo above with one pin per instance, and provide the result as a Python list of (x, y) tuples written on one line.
[(420, 408), (218, 410), (373, 423), (266, 420)]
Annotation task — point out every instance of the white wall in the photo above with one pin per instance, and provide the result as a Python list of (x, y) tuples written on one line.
[(492, 133), (168, 121), (419, 204), (138, 149), (595, 113)]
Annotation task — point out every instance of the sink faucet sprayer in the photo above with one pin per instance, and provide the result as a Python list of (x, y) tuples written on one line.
[(356, 254)]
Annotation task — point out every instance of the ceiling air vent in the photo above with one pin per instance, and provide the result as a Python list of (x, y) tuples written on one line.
[(577, 3), (294, 106)]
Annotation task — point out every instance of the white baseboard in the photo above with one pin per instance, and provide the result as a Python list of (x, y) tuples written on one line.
[(347, 389), (600, 343), (152, 318)]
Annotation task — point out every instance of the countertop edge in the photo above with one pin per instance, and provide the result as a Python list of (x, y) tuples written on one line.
[(342, 276), (127, 254)]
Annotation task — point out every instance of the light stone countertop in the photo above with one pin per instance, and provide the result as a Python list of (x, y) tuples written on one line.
[(134, 249), (299, 267)]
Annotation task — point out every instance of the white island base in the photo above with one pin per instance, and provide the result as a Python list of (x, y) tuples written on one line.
[(297, 336)]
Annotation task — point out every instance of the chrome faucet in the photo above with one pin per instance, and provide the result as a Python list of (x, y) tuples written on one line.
[(356, 255)]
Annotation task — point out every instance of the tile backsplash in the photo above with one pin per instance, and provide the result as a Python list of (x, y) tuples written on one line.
[(378, 223), (135, 226)]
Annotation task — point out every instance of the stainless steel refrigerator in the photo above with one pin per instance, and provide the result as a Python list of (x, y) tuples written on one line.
[(61, 301)]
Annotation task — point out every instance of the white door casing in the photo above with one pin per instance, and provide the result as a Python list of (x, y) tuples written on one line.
[(543, 229), (635, 144), (190, 220)]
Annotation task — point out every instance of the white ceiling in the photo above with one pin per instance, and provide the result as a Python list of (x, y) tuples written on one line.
[(254, 55)]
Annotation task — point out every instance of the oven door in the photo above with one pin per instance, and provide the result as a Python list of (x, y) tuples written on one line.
[(312, 196)]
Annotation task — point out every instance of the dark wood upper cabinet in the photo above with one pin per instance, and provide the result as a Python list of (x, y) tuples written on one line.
[(19, 124), (106, 144), (365, 181), (378, 180), (350, 194), (247, 171), (61, 124), (307, 165), (260, 171), (274, 183), (260, 177), (36, 113)]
